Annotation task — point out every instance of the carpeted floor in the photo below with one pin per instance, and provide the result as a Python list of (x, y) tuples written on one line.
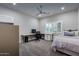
[(38, 48)]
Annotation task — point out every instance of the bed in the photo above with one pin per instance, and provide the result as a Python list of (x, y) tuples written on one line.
[(66, 44)]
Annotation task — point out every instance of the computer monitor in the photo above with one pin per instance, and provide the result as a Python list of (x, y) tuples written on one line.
[(33, 31)]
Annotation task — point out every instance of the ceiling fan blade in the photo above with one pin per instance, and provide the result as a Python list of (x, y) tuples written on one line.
[(38, 9), (45, 12), (41, 10)]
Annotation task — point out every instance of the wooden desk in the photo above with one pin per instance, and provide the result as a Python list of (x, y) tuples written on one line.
[(26, 38)]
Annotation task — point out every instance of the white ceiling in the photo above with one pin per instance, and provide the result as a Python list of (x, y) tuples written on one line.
[(31, 9)]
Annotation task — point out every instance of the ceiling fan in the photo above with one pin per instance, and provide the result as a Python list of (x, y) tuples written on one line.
[(41, 11)]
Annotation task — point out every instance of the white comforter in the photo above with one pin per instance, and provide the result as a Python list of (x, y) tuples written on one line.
[(67, 42)]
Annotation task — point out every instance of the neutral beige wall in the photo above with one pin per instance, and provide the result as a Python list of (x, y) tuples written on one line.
[(78, 18), (25, 22), (69, 20)]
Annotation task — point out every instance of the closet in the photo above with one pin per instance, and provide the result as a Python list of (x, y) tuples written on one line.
[(9, 39)]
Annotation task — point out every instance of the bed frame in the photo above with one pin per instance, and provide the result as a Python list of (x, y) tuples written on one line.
[(68, 52)]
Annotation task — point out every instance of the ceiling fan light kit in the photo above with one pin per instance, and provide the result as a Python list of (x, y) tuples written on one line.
[(41, 11)]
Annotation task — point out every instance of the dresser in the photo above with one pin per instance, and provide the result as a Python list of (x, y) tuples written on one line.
[(48, 36)]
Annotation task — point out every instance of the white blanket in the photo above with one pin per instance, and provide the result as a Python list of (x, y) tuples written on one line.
[(67, 42)]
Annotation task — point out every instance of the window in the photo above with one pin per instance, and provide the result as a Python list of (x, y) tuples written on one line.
[(55, 27), (48, 27), (59, 27)]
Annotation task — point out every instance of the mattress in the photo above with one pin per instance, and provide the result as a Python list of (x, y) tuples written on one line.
[(67, 42)]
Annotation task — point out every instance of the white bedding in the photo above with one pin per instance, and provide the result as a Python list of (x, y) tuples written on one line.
[(67, 42)]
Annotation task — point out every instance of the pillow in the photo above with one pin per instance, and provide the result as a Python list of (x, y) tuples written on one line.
[(69, 33), (76, 33)]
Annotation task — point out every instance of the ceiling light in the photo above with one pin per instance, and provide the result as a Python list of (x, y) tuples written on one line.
[(62, 8), (39, 15), (14, 3)]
